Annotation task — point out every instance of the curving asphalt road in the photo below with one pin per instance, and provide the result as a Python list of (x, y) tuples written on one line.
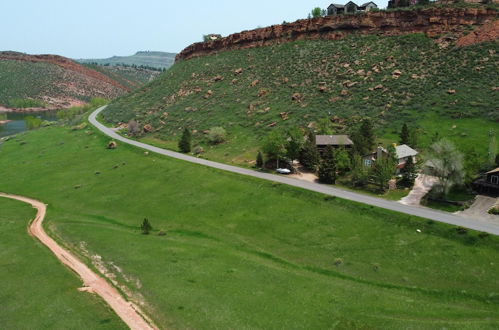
[(423, 212)]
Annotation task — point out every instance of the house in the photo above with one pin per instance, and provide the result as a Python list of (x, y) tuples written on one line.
[(488, 184), (335, 141), (350, 7), (335, 9), (403, 152), (368, 6)]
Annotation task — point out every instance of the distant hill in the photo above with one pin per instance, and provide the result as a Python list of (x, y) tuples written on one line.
[(161, 60), (54, 82), (130, 77)]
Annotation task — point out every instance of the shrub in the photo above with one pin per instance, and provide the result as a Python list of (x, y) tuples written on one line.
[(146, 227), (338, 261), (494, 211), (33, 122), (217, 135)]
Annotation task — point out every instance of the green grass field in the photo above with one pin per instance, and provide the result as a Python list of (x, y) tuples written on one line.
[(206, 92), (37, 291), (244, 253)]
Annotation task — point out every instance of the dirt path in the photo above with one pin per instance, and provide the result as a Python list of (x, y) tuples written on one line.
[(127, 311)]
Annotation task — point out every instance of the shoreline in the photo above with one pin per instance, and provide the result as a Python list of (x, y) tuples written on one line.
[(4, 121), (26, 110)]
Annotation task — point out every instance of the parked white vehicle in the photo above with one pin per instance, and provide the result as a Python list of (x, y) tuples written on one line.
[(283, 171)]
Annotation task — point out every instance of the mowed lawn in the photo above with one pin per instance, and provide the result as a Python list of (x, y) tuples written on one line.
[(36, 290), (242, 253)]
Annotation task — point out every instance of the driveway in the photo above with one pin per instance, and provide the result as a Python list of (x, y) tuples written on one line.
[(480, 209), (422, 185), (436, 215)]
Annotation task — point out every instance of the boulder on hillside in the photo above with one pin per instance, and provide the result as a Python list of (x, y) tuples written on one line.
[(112, 145)]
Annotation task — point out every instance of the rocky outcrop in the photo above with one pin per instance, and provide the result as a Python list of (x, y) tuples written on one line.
[(431, 21), (484, 33)]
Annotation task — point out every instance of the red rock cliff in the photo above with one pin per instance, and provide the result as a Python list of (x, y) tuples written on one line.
[(431, 21)]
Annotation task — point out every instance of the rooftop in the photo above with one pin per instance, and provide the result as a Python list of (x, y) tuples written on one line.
[(335, 140), (404, 151)]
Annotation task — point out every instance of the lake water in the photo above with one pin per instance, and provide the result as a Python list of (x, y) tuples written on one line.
[(18, 125)]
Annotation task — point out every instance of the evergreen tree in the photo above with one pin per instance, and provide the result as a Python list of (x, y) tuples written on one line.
[(384, 169), (185, 141), (309, 155), (146, 227), (367, 132), (327, 167), (363, 138), (408, 173), (259, 160), (405, 135)]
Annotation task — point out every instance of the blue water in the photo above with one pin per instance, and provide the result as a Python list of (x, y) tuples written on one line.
[(18, 125)]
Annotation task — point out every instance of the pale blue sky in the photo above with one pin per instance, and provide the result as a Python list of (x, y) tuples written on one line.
[(103, 28)]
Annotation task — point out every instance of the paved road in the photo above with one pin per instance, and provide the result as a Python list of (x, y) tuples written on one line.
[(127, 311), (423, 212)]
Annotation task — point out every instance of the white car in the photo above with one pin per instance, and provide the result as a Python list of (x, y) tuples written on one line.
[(283, 171)]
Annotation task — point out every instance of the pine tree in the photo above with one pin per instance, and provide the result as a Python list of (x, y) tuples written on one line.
[(185, 141), (367, 132), (327, 167), (146, 227), (259, 160), (408, 173), (405, 135), (309, 155)]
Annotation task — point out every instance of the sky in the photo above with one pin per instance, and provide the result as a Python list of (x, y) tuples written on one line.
[(104, 28)]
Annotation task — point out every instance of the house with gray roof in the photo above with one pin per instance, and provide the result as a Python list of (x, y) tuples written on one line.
[(404, 153)]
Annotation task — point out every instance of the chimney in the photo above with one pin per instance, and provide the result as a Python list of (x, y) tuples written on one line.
[(379, 154)]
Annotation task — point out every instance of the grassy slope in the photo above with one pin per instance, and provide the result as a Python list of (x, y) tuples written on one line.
[(129, 77), (37, 291), (243, 253), (238, 108), (22, 79)]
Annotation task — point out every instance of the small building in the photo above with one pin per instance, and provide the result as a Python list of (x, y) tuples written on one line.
[(488, 184), (335, 141)]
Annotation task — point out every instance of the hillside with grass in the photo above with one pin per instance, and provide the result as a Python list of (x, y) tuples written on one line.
[(53, 82), (433, 86), (159, 60), (228, 251), (129, 76)]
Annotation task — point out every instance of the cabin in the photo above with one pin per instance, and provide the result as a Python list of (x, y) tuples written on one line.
[(488, 184), (404, 153), (350, 7), (335, 141)]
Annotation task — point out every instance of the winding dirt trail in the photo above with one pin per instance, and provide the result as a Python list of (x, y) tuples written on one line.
[(127, 311)]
